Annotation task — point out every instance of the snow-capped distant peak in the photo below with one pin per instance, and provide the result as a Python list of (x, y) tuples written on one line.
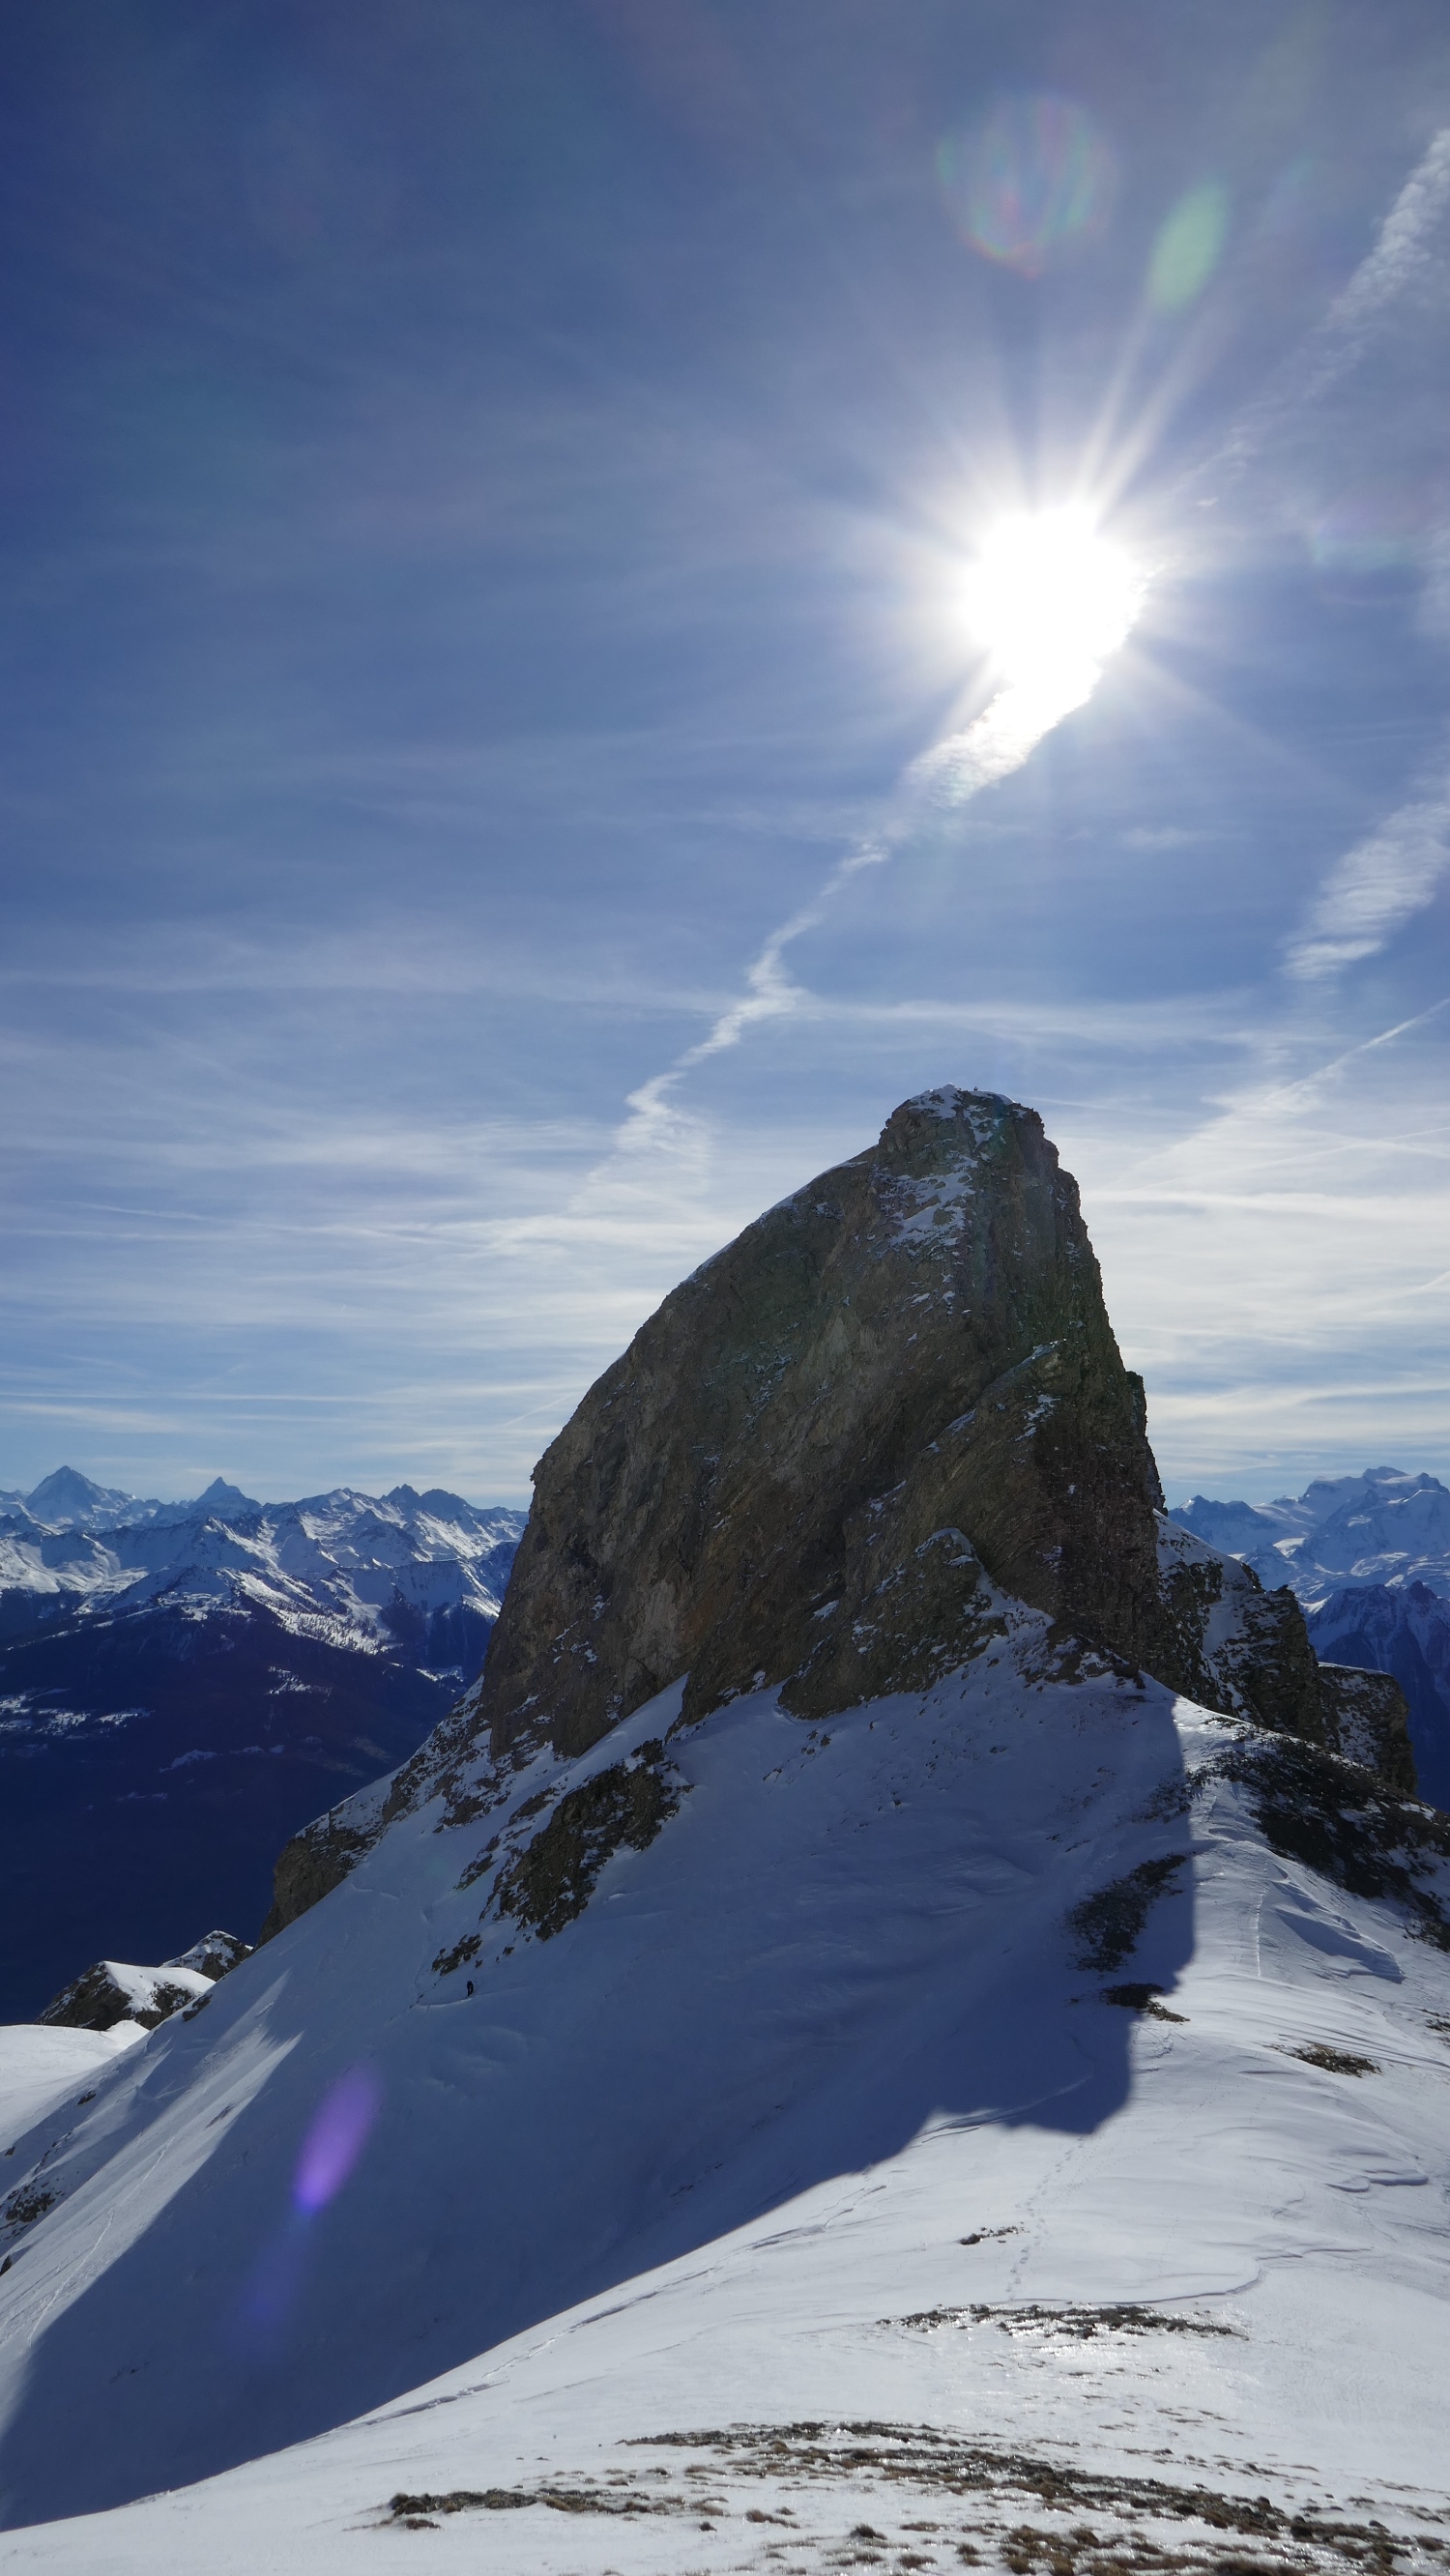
[(66, 1496), (222, 1497)]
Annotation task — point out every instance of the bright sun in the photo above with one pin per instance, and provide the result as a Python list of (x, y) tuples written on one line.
[(1050, 599)]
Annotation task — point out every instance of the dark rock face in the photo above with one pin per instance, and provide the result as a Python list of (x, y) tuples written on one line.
[(796, 1472), (1403, 1630), (97, 2001), (318, 1859), (550, 1882), (1233, 1646), (1371, 1724)]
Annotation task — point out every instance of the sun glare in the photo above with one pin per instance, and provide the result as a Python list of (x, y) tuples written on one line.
[(1050, 599)]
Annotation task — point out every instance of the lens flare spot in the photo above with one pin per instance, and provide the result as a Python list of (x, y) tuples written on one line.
[(1374, 528), (1050, 600), (1188, 248), (336, 2138), (1033, 178)]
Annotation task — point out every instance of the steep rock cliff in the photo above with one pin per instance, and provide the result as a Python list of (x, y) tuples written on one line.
[(902, 1374), (901, 1377)]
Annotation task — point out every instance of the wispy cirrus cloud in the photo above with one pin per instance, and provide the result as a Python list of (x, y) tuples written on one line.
[(1375, 889), (1404, 261), (1277, 1270), (1405, 266), (1042, 680)]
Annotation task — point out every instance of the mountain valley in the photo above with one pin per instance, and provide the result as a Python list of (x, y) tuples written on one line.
[(183, 1685)]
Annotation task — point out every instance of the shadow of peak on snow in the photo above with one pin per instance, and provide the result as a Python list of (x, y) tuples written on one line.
[(843, 1942)]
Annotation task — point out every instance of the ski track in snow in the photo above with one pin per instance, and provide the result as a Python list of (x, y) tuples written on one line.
[(808, 2123)]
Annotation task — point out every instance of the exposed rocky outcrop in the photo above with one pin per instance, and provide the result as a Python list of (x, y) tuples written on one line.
[(1371, 1724), (114, 1991), (215, 1954), (1402, 1629), (318, 1859), (795, 1474), (1235, 1647)]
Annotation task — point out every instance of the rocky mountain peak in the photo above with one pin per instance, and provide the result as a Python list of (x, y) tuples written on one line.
[(836, 1463), (900, 1379), (66, 1495)]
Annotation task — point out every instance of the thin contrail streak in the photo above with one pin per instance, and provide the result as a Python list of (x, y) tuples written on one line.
[(956, 769)]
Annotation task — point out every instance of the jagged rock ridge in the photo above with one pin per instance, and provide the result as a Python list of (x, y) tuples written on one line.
[(579, 2015)]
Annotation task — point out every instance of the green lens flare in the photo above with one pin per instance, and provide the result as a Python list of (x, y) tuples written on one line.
[(1188, 248)]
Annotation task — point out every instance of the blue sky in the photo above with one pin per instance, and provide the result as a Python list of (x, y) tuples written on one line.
[(487, 494)]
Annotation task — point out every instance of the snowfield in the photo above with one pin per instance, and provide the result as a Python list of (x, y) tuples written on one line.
[(832, 2189), (41, 2070)]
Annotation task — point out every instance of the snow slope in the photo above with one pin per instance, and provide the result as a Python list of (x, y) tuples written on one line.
[(817, 2115), (40, 2070)]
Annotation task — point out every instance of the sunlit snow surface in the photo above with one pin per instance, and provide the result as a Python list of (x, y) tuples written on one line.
[(42, 2071), (708, 2158)]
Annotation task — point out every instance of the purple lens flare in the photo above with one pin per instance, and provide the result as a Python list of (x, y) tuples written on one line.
[(336, 2138)]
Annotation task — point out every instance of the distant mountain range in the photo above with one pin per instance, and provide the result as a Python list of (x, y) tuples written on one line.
[(1369, 1558), (182, 1685), (425, 1567)]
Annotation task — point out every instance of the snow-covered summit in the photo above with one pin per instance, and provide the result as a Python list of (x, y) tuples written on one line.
[(68, 1500)]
